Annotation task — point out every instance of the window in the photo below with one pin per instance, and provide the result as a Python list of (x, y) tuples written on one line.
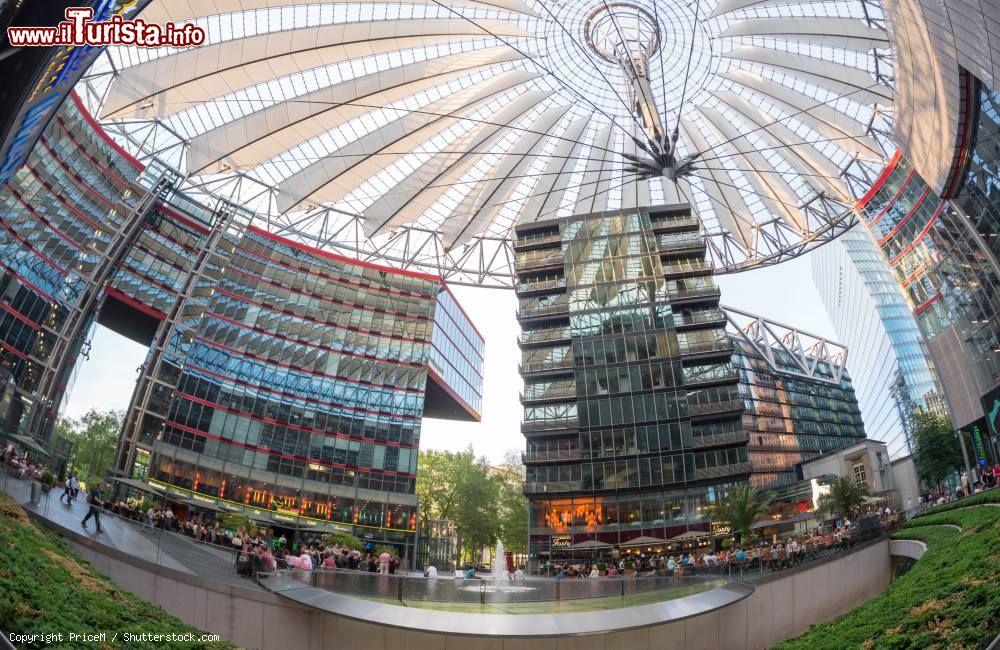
[(860, 477)]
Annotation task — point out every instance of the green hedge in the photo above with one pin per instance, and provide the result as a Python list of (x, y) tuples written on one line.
[(46, 588), (949, 599)]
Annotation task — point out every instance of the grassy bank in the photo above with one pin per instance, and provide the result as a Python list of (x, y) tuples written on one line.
[(45, 588), (949, 599)]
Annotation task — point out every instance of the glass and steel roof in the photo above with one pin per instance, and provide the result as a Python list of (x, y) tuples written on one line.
[(419, 132)]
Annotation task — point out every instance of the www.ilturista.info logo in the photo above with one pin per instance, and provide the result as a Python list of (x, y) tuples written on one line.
[(79, 28)]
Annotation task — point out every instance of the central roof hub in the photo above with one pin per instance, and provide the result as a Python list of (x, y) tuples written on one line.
[(618, 31)]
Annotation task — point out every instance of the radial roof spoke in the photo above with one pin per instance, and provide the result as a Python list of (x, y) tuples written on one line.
[(419, 132)]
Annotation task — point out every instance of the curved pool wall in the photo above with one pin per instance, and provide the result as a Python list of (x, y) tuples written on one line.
[(736, 616)]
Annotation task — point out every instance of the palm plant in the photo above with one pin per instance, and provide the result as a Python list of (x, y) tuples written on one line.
[(843, 498), (741, 506)]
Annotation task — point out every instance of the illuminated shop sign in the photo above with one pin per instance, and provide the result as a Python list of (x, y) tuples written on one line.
[(561, 541)]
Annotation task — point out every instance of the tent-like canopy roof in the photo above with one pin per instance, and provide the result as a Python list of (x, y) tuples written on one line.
[(420, 132)]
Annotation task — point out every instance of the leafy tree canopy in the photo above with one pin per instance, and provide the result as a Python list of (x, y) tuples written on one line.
[(937, 452)]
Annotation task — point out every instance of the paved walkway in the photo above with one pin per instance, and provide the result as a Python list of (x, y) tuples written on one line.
[(167, 549)]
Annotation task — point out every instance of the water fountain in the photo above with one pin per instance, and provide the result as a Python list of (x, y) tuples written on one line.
[(499, 563)]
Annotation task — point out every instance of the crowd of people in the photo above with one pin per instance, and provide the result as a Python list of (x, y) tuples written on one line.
[(762, 555), (18, 464)]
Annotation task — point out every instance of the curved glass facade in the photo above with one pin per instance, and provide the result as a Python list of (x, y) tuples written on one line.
[(891, 368), (282, 381)]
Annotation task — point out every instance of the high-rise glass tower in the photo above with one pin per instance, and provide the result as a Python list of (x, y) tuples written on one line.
[(632, 414), (889, 364)]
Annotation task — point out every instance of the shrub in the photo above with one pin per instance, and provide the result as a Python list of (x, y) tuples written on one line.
[(343, 539), (949, 599), (45, 587), (383, 548), (48, 479)]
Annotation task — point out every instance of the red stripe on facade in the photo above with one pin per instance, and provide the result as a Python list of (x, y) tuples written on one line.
[(902, 222), (282, 337), (48, 224), (258, 418), (28, 284), (82, 148), (244, 353), (326, 299), (913, 244), (880, 181), (19, 316), (310, 400), (17, 353), (118, 294), (891, 202), (927, 304), (272, 452), (101, 132), (90, 189), (464, 313), (327, 276), (24, 242), (72, 208), (439, 380), (286, 312), (343, 258), (184, 220)]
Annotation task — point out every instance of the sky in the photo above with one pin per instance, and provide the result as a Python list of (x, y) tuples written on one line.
[(783, 293)]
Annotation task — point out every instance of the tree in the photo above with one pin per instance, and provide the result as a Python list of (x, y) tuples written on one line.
[(936, 448), (459, 487), (843, 498), (741, 506), (513, 504), (96, 441)]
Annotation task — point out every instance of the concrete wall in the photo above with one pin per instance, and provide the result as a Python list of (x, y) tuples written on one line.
[(782, 606)]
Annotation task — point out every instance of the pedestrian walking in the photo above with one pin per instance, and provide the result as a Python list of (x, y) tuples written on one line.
[(94, 499)]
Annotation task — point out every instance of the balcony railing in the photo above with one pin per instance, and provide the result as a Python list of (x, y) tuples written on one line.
[(540, 285), (679, 241), (536, 238), (670, 224), (715, 407), (529, 368), (710, 378), (537, 487), (725, 345), (568, 393), (721, 470), (549, 425), (713, 439), (529, 310), (544, 336), (535, 259), (698, 318), (677, 269), (550, 456), (693, 292)]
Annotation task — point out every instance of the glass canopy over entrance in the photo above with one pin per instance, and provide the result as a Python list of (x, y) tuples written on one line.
[(420, 133)]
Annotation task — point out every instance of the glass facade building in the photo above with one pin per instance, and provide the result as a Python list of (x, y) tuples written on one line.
[(632, 413), (791, 415), (891, 369), (282, 381)]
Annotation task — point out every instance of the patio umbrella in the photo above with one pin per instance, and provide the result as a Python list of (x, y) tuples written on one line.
[(645, 540), (691, 534), (590, 544)]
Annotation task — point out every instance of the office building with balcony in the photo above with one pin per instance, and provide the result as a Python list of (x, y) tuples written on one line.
[(799, 398), (632, 413), (282, 381)]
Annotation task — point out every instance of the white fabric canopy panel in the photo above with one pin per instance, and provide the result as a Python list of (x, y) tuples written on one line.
[(420, 132)]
